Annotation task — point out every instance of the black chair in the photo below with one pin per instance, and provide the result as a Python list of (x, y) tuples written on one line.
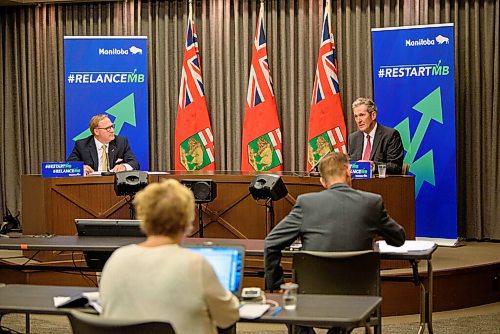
[(84, 323), (340, 273)]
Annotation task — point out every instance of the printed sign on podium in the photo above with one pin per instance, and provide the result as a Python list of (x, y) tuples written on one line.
[(361, 169), (62, 169)]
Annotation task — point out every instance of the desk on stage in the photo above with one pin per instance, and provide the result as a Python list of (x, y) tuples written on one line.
[(52, 205), (312, 310)]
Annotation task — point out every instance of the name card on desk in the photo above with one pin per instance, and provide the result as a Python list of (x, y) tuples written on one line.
[(62, 169), (361, 169)]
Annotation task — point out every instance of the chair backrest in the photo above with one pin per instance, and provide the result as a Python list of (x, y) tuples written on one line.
[(339, 273), (84, 323)]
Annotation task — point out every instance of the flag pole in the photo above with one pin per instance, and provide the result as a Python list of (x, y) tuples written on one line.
[(328, 9)]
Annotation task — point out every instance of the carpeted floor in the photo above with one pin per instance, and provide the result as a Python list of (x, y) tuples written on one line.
[(483, 323)]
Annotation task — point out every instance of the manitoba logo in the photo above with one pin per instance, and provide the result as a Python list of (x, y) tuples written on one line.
[(441, 39), (419, 42), (113, 52), (264, 153), (196, 152), (319, 146), (120, 52), (135, 50)]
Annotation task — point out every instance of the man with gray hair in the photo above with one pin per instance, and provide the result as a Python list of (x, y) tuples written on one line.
[(374, 142), (338, 218)]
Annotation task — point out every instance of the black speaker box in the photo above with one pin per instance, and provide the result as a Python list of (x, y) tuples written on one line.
[(130, 182), (266, 186), (204, 190)]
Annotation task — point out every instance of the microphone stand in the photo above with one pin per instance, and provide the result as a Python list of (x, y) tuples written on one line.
[(310, 171), (131, 209), (200, 220)]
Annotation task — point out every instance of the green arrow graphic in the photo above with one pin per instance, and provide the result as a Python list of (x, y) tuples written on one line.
[(431, 109), (124, 112), (423, 169), (404, 130), (82, 135)]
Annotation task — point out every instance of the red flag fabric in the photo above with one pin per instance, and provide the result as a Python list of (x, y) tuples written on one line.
[(327, 130), (194, 142), (261, 140)]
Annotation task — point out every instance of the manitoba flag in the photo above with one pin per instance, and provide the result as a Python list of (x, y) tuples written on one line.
[(194, 143), (327, 130), (261, 143)]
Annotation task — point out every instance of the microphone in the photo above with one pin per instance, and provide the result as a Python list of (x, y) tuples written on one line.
[(317, 163)]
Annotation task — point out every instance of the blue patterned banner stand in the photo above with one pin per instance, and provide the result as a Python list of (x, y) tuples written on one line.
[(107, 75), (414, 86)]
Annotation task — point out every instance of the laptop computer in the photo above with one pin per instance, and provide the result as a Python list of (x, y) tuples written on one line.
[(227, 261), (109, 227)]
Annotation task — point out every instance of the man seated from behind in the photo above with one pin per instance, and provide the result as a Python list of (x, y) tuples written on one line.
[(339, 218), (159, 280)]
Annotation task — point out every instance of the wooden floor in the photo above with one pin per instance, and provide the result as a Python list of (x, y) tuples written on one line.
[(464, 276)]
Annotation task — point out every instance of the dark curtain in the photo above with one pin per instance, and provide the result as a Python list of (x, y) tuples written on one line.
[(32, 75)]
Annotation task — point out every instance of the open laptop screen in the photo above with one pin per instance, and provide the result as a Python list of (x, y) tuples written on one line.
[(227, 262)]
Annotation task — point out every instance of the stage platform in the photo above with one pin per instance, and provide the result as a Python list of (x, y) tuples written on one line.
[(464, 276)]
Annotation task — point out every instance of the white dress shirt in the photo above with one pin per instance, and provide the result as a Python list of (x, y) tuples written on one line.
[(98, 145)]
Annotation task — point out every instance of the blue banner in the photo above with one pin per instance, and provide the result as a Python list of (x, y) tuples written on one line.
[(414, 86), (107, 75)]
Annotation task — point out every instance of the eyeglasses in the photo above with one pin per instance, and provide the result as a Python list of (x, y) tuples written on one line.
[(108, 128)]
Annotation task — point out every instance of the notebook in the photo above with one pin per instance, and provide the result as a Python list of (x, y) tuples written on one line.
[(227, 261)]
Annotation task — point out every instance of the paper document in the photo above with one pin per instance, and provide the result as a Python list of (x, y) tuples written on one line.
[(408, 246), (60, 300), (253, 311), (85, 298)]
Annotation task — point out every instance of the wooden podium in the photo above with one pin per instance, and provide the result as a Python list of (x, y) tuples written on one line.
[(52, 205)]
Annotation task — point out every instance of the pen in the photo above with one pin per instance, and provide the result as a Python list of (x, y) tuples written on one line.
[(276, 311)]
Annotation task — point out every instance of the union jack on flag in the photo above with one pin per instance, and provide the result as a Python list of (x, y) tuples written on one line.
[(191, 79), (326, 81), (259, 83)]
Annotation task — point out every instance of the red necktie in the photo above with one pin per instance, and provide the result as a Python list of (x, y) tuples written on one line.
[(368, 149)]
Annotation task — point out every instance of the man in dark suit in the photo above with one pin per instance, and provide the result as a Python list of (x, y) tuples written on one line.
[(103, 151), (373, 141), (339, 218)]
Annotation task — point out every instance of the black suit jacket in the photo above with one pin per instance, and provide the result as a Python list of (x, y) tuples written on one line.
[(336, 219), (387, 148), (85, 150)]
